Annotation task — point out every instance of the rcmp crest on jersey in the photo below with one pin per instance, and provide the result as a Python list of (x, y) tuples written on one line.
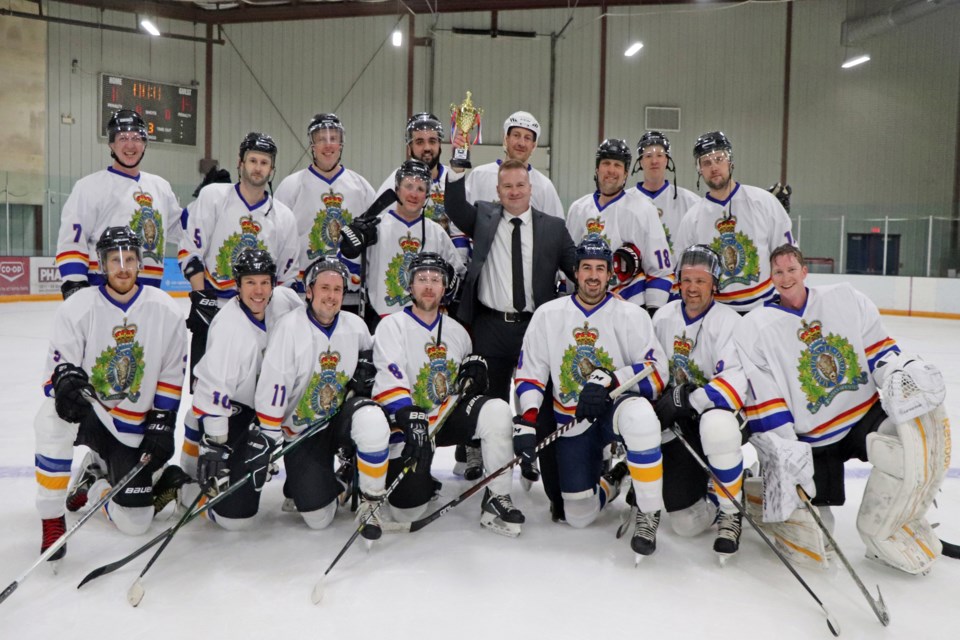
[(666, 230), (397, 285), (579, 361), (738, 254), (235, 244), (436, 377), (324, 391), (118, 370), (594, 230), (325, 233), (435, 209), (828, 366), (147, 224), (682, 368)]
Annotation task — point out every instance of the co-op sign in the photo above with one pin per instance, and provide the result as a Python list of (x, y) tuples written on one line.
[(14, 278), (10, 270)]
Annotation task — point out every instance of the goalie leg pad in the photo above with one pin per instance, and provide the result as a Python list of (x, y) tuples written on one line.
[(909, 468), (798, 537)]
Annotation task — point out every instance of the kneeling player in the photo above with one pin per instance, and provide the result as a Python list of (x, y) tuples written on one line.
[(116, 359), (231, 442), (312, 360), (586, 343), (416, 352), (708, 385), (815, 358)]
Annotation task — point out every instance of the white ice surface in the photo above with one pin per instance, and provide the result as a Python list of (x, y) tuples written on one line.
[(451, 580)]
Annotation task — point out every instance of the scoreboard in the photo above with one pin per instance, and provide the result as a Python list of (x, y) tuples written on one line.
[(170, 111)]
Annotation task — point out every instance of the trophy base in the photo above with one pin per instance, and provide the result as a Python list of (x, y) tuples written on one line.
[(461, 159)]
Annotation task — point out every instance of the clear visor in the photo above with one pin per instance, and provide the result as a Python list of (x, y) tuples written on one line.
[(124, 259), (719, 157), (429, 276)]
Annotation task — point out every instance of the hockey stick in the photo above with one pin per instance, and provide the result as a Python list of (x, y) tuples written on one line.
[(831, 622), (113, 566), (877, 604), (316, 595), (416, 525), (950, 550), (62, 540)]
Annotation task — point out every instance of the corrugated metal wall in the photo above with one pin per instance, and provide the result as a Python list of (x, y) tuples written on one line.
[(878, 138)]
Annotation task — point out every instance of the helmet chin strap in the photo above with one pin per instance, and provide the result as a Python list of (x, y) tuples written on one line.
[(124, 164)]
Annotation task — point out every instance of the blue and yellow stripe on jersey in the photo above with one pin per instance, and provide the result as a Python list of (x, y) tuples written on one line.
[(835, 428), (746, 297), (73, 263), (768, 415), (167, 397), (394, 398), (722, 395), (879, 349)]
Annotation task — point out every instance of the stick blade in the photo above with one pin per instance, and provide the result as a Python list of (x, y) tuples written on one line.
[(319, 590), (135, 593), (9, 590)]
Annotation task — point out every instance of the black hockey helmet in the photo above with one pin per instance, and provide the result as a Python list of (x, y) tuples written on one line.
[(254, 262), (325, 121), (414, 169), (711, 142), (114, 239), (126, 120), (700, 255), (325, 263), (593, 248), (614, 149), (651, 138), (423, 121), (429, 260), (256, 141)]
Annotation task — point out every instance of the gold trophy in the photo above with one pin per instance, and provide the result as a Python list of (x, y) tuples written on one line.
[(465, 116)]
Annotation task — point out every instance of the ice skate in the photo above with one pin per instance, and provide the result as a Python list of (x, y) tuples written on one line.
[(53, 528), (499, 515), (474, 465), (644, 541), (88, 473), (613, 480), (345, 475), (372, 530), (167, 487), (729, 527)]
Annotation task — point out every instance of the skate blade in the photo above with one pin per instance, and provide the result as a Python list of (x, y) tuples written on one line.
[(637, 559), (626, 518), (496, 525), (459, 468), (526, 484), (54, 566), (290, 507), (319, 590), (135, 593), (723, 558)]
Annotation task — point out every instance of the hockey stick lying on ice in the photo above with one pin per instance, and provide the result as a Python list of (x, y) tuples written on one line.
[(877, 604), (831, 622), (416, 525), (191, 514), (318, 589), (62, 540)]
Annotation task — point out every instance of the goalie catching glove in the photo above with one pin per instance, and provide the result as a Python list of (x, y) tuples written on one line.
[(909, 387)]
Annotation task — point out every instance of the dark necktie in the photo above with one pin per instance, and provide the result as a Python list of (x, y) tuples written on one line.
[(519, 300)]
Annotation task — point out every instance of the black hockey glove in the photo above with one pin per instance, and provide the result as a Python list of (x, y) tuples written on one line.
[(213, 461), (595, 395), (357, 236), (157, 441), (525, 438), (473, 370), (626, 262), (363, 376), (782, 192), (259, 448), (674, 405), (70, 384), (203, 306), (417, 450), (70, 287)]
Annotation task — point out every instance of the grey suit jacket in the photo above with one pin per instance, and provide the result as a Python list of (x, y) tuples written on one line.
[(553, 248)]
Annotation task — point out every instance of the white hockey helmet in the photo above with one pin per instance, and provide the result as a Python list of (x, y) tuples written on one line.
[(524, 120)]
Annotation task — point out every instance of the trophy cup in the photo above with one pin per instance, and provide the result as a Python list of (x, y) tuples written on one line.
[(464, 117)]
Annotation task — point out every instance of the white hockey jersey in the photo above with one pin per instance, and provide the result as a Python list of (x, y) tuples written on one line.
[(436, 211), (743, 230), (322, 207), (482, 186), (227, 372), (134, 354), (417, 364), (387, 260), (220, 224), (110, 198), (811, 371), (305, 370), (565, 342), (670, 209), (630, 217), (701, 350)]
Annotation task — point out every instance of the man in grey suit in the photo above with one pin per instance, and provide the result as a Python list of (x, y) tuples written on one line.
[(502, 289)]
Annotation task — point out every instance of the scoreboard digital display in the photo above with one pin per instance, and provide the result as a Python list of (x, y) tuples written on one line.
[(170, 111)]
